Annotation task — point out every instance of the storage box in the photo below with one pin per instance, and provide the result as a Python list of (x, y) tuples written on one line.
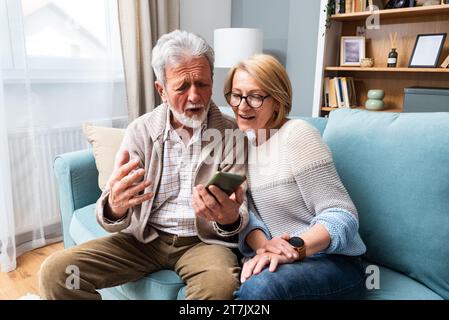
[(426, 100)]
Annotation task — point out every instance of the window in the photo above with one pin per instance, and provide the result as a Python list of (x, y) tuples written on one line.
[(60, 39), (5, 53)]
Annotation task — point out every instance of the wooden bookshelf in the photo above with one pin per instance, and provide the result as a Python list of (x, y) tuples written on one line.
[(361, 108), (408, 23), (380, 69), (395, 13)]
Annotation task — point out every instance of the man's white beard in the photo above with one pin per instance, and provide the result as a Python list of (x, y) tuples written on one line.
[(193, 122)]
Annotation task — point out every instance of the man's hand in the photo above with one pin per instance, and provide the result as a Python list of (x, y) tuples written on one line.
[(125, 187), (260, 262), (215, 205), (279, 245)]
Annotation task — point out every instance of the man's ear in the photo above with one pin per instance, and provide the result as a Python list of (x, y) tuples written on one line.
[(160, 89)]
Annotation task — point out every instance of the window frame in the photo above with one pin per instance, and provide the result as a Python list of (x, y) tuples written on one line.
[(17, 67)]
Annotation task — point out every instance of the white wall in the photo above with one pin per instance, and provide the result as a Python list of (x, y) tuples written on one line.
[(272, 17), (203, 17), (302, 53), (290, 30)]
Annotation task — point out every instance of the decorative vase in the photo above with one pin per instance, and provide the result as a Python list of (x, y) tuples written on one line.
[(375, 100), (376, 94)]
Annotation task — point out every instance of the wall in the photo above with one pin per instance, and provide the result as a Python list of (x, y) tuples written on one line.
[(301, 53), (268, 15), (203, 17), (290, 34)]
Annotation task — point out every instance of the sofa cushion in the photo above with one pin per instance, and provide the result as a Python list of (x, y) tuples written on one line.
[(161, 285), (395, 167), (105, 144), (397, 286)]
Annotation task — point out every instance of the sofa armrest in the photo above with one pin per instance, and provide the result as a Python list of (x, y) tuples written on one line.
[(77, 180)]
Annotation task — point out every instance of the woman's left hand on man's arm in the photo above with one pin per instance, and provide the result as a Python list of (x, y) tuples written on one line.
[(260, 261), (279, 245)]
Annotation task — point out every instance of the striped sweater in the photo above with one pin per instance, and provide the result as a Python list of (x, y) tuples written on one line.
[(293, 184)]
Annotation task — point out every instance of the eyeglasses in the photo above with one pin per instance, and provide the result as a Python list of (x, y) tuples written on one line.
[(252, 100)]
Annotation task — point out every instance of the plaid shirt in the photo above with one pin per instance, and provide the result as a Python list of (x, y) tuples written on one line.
[(172, 211)]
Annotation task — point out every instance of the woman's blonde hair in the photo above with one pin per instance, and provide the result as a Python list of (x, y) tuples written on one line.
[(272, 78)]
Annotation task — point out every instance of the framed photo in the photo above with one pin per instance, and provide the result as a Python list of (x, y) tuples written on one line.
[(427, 50), (352, 51)]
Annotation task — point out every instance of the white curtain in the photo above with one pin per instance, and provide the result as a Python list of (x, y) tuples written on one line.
[(61, 66), (7, 241), (142, 23)]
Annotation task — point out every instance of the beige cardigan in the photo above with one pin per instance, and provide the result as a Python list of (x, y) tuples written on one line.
[(143, 139)]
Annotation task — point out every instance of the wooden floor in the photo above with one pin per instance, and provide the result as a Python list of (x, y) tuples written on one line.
[(23, 280)]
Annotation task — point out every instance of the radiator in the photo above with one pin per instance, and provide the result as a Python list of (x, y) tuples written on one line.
[(32, 155)]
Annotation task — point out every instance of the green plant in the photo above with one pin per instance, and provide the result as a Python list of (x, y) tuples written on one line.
[(330, 9)]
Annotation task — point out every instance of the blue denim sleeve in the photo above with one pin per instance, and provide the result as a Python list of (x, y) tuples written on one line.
[(254, 223), (343, 228)]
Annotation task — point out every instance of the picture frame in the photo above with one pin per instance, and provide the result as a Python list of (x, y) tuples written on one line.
[(427, 50), (352, 51)]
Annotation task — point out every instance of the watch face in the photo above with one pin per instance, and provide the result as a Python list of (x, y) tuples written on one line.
[(297, 242)]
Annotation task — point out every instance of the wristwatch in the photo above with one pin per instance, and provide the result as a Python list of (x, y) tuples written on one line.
[(299, 246)]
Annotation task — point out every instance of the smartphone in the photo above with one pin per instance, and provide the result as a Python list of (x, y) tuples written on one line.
[(226, 181)]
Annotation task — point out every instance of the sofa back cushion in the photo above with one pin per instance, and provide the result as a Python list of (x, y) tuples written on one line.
[(396, 169), (318, 122)]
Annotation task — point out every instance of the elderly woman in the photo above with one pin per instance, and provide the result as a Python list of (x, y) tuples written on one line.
[(303, 232)]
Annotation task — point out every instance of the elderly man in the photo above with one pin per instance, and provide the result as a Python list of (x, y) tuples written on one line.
[(160, 220)]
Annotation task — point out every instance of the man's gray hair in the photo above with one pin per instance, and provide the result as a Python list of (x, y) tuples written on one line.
[(177, 46)]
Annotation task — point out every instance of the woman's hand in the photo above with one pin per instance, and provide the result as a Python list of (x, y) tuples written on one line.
[(279, 246), (260, 261)]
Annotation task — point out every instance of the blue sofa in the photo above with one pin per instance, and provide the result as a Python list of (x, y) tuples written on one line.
[(395, 167)]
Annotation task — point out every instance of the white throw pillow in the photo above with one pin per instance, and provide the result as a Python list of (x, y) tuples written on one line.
[(105, 144)]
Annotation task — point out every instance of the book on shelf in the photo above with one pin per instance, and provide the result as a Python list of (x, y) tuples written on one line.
[(326, 91), (348, 6), (338, 7), (332, 94), (351, 6), (345, 92), (339, 92), (353, 93)]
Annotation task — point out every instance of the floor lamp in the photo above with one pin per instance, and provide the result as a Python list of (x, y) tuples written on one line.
[(232, 45)]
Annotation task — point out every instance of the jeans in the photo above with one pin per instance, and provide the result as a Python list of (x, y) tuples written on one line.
[(320, 276)]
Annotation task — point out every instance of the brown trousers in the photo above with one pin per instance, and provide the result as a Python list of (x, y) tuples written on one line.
[(209, 271)]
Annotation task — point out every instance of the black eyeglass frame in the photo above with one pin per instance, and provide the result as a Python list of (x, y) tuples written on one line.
[(246, 99)]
